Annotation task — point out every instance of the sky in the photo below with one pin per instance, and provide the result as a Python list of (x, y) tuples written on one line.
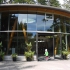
[(61, 1)]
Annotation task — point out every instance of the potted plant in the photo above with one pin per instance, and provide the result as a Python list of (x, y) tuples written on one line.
[(1, 56), (1, 52), (29, 53), (65, 53), (14, 56)]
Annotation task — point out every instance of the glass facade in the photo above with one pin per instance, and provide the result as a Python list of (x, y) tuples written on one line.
[(12, 26)]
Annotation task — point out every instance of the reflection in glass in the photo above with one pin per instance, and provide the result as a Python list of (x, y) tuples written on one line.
[(31, 34), (31, 26), (4, 21), (21, 43), (48, 16), (12, 42), (56, 24), (13, 22), (40, 22), (22, 21), (4, 39), (67, 23), (57, 45), (48, 25)]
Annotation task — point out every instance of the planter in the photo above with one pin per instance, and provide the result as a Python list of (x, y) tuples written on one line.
[(1, 59), (14, 58), (64, 56), (29, 59)]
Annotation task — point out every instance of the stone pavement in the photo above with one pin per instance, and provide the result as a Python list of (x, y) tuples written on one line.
[(35, 65)]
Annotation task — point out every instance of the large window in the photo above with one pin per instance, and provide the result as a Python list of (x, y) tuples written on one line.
[(56, 24), (4, 21), (0, 21), (22, 21), (49, 22), (67, 23), (40, 22), (12, 42), (12, 22), (15, 28), (68, 42), (31, 24), (4, 39)]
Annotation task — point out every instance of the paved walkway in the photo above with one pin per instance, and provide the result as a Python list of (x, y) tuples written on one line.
[(35, 65)]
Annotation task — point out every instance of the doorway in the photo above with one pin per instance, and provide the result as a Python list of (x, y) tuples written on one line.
[(51, 42)]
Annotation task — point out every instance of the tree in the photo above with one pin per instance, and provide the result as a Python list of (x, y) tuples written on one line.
[(54, 3), (29, 1), (18, 1), (43, 2), (24, 1), (1, 1), (66, 4)]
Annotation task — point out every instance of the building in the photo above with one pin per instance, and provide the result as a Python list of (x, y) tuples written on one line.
[(44, 26)]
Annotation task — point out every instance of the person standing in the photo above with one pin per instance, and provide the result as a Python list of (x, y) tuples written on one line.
[(46, 54)]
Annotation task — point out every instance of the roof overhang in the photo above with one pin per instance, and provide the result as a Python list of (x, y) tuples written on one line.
[(34, 8)]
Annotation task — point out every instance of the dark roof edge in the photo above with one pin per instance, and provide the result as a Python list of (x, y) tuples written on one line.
[(35, 5)]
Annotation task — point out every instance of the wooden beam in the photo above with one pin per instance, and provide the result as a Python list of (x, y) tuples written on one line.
[(12, 34)]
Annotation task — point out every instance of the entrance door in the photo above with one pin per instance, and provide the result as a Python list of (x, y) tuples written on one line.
[(51, 42)]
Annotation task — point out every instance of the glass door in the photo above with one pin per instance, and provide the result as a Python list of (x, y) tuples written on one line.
[(50, 41), (45, 41)]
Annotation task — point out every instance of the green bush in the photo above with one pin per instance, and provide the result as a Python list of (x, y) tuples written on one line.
[(65, 53), (14, 55), (29, 54), (2, 54)]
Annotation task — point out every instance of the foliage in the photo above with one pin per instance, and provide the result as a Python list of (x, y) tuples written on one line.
[(43, 2), (66, 4), (29, 53), (0, 44), (64, 45), (65, 52), (54, 3), (24, 1), (1, 1), (29, 46), (29, 1), (18, 1), (2, 54), (14, 55)]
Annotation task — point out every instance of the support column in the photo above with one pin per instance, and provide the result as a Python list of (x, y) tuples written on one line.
[(53, 48), (66, 40), (60, 45), (37, 46)]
